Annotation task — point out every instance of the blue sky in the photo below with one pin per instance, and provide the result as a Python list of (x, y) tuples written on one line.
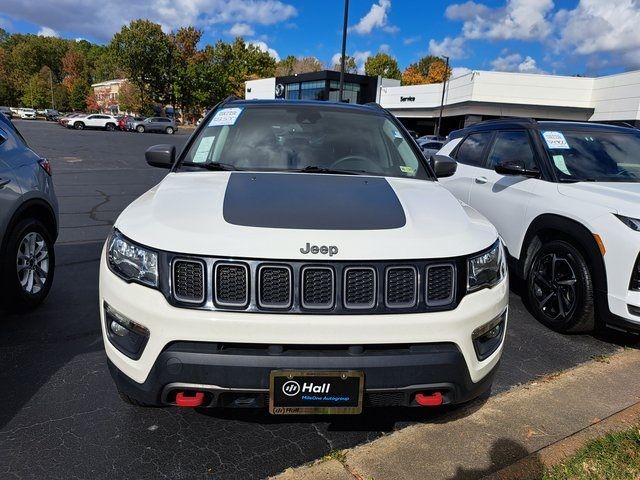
[(566, 37)]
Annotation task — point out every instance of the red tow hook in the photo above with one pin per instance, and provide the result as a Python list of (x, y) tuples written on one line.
[(433, 400), (184, 400)]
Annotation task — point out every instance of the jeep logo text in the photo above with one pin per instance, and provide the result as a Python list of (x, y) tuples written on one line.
[(322, 249)]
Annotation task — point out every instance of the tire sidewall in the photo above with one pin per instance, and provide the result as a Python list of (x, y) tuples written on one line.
[(110, 127), (169, 131), (140, 129), (581, 319), (16, 297), (78, 126)]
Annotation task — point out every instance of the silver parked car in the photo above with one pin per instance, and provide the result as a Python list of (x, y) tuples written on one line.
[(155, 124), (28, 222)]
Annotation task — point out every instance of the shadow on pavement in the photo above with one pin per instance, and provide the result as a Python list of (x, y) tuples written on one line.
[(503, 453), (36, 344)]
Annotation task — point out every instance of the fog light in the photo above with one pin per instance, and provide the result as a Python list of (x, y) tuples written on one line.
[(118, 329), (124, 334), (487, 338)]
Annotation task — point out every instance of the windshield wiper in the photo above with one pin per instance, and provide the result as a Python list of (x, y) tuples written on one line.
[(212, 166), (316, 169)]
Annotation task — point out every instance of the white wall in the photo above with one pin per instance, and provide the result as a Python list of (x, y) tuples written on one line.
[(264, 88), (614, 97)]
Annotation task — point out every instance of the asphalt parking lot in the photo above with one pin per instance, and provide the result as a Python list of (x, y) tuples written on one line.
[(60, 416)]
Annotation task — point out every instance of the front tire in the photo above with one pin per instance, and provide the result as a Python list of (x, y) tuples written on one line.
[(78, 126), (169, 130), (140, 129), (560, 288), (27, 266)]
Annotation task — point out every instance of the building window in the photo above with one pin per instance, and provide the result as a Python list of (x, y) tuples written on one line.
[(312, 90), (293, 91), (351, 92)]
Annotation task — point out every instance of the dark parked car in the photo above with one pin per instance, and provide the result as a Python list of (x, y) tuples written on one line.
[(28, 222), (7, 112)]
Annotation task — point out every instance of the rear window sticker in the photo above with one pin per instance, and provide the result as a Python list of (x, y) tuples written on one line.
[(226, 116), (560, 164), (555, 140)]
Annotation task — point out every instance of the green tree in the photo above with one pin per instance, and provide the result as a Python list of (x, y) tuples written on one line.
[(350, 65), (78, 93), (382, 64), (37, 92), (145, 53)]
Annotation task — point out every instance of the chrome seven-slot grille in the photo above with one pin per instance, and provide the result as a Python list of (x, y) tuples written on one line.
[(312, 288)]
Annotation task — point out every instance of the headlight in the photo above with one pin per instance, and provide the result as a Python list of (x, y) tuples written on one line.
[(632, 223), (487, 269), (132, 262)]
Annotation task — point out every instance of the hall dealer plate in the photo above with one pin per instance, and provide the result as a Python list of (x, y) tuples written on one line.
[(294, 392)]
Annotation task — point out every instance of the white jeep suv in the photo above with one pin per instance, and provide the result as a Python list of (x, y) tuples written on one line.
[(565, 198), (96, 120), (301, 255)]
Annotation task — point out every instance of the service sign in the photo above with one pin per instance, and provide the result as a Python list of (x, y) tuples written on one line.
[(315, 392)]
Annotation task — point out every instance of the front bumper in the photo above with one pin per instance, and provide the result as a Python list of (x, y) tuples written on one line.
[(435, 349), (238, 375)]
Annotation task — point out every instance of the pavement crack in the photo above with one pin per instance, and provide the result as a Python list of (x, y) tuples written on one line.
[(326, 439), (93, 213)]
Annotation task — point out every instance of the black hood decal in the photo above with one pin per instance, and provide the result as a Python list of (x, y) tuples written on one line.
[(311, 201)]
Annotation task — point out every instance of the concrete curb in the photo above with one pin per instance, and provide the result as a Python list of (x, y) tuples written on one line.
[(513, 427)]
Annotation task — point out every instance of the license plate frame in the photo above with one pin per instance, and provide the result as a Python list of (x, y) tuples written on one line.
[(333, 401)]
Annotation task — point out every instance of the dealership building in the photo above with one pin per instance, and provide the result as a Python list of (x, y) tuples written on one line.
[(473, 97)]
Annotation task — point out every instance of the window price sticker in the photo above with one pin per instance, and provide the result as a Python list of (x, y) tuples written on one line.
[(555, 140), (226, 116)]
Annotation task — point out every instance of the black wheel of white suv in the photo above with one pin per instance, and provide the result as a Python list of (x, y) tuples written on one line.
[(27, 265), (560, 288)]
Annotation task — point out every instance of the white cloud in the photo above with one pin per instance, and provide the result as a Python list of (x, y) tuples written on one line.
[(265, 48), (460, 71), (360, 57), (410, 40), (384, 48), (518, 19), (514, 62), (47, 32), (102, 19), (450, 47), (241, 30), (377, 17), (597, 26)]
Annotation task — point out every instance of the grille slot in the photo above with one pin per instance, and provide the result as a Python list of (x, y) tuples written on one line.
[(440, 285), (188, 281), (231, 284), (274, 287), (359, 287), (318, 287), (402, 287)]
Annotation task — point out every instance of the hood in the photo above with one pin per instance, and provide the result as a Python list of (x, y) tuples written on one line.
[(622, 198), (286, 215)]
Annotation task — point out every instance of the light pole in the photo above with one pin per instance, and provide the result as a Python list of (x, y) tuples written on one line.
[(344, 48), (444, 86)]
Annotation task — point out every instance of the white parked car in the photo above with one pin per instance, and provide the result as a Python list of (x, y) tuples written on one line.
[(565, 198), (301, 255), (96, 120), (27, 113)]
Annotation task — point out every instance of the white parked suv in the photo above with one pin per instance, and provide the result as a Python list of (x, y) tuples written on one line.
[(27, 113), (301, 255), (565, 198), (97, 120)]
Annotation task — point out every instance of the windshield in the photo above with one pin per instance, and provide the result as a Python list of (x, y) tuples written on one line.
[(592, 155), (312, 138)]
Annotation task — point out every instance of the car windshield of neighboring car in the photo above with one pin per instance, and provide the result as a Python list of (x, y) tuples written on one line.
[(290, 137), (594, 155)]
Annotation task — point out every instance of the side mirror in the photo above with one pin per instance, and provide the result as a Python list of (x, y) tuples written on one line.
[(516, 167), (162, 156), (443, 165)]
